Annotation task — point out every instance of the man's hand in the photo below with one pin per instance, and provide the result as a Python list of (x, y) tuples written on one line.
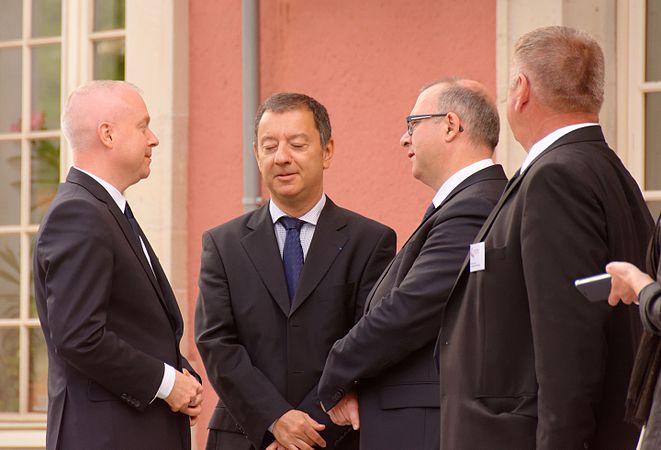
[(186, 393), (194, 408), (626, 282), (345, 412), (297, 430), (275, 445)]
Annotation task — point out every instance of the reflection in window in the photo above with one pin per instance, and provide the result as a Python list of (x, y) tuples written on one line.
[(9, 369), (109, 15), (10, 89), (109, 60), (10, 278), (45, 176), (10, 182), (45, 112)]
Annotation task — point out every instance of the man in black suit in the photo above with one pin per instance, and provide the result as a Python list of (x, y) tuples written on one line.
[(450, 140), (112, 325), (525, 360), (279, 285)]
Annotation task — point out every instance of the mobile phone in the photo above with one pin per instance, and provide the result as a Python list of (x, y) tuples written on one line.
[(595, 288)]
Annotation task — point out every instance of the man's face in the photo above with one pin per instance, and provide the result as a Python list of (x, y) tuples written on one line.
[(290, 157), (425, 147), (133, 139)]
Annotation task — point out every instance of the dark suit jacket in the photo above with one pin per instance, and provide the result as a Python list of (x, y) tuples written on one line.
[(390, 348), (109, 324), (525, 360), (262, 357)]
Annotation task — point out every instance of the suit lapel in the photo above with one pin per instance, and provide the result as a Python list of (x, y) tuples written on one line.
[(98, 191), (262, 249), (329, 238)]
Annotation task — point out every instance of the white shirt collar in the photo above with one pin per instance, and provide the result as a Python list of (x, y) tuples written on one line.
[(112, 190), (540, 146), (311, 217), (457, 178)]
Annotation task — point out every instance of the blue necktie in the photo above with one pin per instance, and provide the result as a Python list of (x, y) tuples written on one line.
[(292, 253), (134, 223)]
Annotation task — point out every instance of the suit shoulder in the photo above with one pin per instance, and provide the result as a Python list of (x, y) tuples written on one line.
[(233, 227), (363, 222)]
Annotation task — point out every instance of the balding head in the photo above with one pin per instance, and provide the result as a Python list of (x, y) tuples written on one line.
[(470, 100), (90, 105)]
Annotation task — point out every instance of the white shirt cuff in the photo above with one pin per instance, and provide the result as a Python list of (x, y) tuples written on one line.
[(167, 383)]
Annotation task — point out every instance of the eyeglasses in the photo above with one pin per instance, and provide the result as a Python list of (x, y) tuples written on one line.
[(410, 120)]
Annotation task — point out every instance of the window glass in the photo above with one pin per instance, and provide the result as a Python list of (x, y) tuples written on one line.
[(9, 369), (38, 382), (653, 61), (10, 182), (46, 18), (44, 176), (10, 89), (11, 20), (653, 141), (109, 15), (9, 276), (45, 114), (109, 60)]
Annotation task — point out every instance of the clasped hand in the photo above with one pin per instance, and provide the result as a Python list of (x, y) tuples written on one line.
[(296, 430), (186, 395)]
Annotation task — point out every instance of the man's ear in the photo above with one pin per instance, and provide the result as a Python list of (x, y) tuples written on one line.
[(522, 91), (452, 127), (104, 131), (328, 153)]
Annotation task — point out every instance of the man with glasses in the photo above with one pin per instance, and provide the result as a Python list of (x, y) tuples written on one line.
[(450, 140)]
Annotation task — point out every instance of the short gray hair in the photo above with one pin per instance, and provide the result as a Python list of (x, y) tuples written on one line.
[(476, 110), (97, 86), (565, 68)]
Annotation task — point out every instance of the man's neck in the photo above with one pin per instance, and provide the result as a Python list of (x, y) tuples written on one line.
[(547, 124)]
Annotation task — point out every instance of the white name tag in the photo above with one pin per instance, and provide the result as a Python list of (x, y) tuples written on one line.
[(477, 257)]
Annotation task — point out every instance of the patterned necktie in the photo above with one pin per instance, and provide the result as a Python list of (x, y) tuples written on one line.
[(430, 210), (134, 223), (292, 253)]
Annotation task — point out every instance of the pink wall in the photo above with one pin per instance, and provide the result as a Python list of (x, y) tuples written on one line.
[(365, 61)]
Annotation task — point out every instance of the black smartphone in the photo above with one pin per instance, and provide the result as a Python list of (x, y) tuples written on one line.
[(595, 288)]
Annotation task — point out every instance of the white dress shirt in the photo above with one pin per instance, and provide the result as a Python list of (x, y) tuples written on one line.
[(540, 146), (309, 219), (456, 179)]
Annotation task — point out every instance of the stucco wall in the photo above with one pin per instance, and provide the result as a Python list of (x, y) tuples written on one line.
[(364, 60)]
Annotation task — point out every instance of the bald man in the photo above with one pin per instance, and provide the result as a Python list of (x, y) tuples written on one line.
[(388, 355), (117, 379)]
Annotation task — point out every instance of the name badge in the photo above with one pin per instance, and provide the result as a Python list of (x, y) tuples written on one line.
[(477, 257)]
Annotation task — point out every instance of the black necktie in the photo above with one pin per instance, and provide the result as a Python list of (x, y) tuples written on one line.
[(292, 253), (511, 180), (430, 210), (134, 223)]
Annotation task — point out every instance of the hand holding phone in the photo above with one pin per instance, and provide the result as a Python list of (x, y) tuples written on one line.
[(595, 288)]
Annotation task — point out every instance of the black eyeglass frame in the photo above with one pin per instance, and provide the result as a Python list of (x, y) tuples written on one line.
[(415, 118)]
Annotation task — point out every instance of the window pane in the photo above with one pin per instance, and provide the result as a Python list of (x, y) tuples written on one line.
[(45, 176), (9, 369), (109, 60), (653, 63), (9, 276), (652, 141), (10, 182), (45, 88), (655, 208), (33, 303), (46, 18), (108, 15), (10, 89), (38, 371), (11, 19)]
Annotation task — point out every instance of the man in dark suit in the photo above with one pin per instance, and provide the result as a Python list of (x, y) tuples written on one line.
[(525, 360), (451, 135), (117, 379), (279, 285)]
